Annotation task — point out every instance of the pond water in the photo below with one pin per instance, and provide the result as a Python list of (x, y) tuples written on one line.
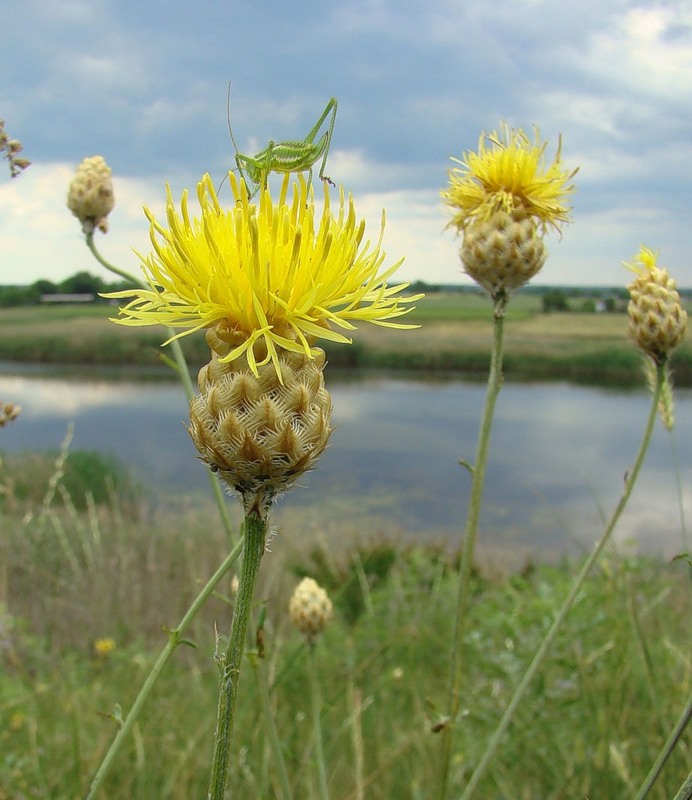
[(557, 460)]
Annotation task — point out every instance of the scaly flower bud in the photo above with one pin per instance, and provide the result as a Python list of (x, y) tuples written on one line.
[(260, 432), (658, 322), (310, 608), (503, 252), (90, 197)]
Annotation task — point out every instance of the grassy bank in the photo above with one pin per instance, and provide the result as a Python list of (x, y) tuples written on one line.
[(84, 596), (456, 334)]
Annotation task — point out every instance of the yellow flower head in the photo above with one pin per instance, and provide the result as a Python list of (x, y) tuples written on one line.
[(508, 173), (278, 274)]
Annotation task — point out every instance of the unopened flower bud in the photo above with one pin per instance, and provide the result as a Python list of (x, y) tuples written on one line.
[(310, 608), (658, 322), (90, 197), (503, 252), (260, 433)]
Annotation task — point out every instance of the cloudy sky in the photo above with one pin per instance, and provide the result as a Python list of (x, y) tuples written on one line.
[(144, 84)]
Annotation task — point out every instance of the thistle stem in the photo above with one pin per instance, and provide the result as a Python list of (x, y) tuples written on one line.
[(630, 480), (254, 535), (471, 534), (174, 639)]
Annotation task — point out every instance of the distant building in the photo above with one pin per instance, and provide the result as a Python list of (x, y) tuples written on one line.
[(85, 297)]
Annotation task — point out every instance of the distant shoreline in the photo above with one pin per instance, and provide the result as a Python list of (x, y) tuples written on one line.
[(588, 348)]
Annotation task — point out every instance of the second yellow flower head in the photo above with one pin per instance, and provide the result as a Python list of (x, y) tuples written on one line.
[(509, 173)]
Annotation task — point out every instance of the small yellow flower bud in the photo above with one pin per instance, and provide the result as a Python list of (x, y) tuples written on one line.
[(90, 197), (310, 608), (658, 322)]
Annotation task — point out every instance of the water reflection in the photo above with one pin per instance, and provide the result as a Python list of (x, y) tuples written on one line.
[(558, 454)]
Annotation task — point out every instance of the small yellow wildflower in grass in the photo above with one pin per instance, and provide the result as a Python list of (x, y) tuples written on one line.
[(17, 720), (503, 199), (104, 647), (275, 275)]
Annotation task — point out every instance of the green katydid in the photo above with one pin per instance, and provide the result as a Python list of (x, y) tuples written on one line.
[(290, 156)]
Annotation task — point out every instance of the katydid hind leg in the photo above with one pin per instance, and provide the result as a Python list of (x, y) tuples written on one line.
[(331, 107)]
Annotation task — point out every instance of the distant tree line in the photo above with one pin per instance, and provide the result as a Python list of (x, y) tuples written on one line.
[(584, 300), (83, 283), (569, 298)]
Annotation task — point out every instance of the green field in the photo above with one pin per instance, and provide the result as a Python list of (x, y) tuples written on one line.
[(591, 725), (455, 334)]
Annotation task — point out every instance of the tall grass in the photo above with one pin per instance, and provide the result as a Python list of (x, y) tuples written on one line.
[(591, 727)]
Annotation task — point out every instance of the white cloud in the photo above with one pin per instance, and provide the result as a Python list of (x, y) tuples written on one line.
[(39, 237), (416, 83), (648, 50)]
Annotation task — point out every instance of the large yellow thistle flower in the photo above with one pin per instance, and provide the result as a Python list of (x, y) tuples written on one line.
[(509, 173), (276, 275)]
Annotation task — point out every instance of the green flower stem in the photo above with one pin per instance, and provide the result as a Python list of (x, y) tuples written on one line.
[(316, 722), (471, 534), (254, 534), (270, 722), (666, 750), (128, 276), (174, 639), (183, 371), (630, 480)]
